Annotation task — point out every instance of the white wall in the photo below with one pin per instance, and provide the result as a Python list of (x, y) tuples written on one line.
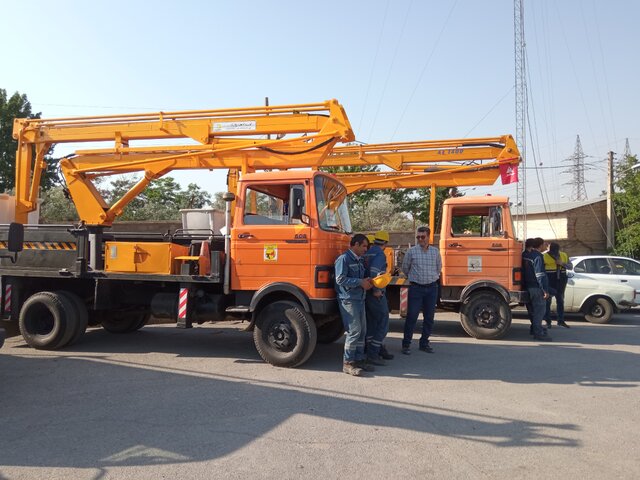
[(8, 210), (549, 229)]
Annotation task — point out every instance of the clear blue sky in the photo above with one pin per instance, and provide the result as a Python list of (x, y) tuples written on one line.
[(404, 70)]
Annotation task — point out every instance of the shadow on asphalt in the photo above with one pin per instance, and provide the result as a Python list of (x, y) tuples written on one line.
[(106, 412), (109, 413)]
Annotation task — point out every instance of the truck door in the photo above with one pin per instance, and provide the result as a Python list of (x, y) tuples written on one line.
[(270, 242), (476, 247)]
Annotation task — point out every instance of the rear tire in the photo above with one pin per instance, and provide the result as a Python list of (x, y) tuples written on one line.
[(123, 321), (486, 316), (285, 334), (600, 310), (47, 321), (81, 314)]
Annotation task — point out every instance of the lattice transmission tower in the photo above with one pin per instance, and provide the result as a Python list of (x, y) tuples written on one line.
[(577, 168), (627, 149), (521, 116)]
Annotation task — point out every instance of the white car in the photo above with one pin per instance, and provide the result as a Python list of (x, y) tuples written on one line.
[(597, 300), (610, 268)]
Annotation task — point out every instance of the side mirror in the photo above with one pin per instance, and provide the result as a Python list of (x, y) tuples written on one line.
[(297, 203), (15, 242)]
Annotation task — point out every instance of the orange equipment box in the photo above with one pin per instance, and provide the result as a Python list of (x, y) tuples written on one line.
[(143, 257)]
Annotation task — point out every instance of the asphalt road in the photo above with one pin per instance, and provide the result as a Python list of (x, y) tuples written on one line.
[(165, 403)]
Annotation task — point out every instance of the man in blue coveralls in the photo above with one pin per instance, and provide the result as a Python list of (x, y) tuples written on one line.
[(535, 281), (377, 307), (351, 285)]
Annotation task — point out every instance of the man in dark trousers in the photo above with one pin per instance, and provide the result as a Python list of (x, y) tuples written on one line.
[(535, 282), (351, 286), (377, 307), (422, 265)]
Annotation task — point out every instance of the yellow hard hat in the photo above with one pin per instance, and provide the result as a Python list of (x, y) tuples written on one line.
[(381, 280), (371, 238), (382, 235)]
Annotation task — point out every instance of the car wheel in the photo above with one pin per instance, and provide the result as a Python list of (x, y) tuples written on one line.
[(599, 310)]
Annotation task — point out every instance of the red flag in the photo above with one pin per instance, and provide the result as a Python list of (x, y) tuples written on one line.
[(508, 173)]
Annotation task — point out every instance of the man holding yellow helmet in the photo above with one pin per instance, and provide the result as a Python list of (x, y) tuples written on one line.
[(377, 308)]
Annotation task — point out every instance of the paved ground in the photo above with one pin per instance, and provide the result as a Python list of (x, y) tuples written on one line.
[(163, 403)]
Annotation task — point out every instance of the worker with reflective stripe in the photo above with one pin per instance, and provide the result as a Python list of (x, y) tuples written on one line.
[(351, 284), (377, 307), (535, 282)]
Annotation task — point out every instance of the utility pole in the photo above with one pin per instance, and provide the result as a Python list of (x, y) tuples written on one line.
[(610, 211)]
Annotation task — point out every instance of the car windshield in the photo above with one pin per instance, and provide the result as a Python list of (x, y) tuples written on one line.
[(331, 198)]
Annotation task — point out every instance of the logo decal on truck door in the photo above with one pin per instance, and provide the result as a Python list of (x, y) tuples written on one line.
[(271, 253), (474, 263)]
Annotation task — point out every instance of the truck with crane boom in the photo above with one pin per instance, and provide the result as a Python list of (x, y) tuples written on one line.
[(481, 268), (286, 222)]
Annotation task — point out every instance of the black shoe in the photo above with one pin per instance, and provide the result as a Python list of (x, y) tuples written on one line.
[(379, 361), (563, 324), (406, 350), (542, 338), (548, 324), (365, 366), (426, 349), (385, 355)]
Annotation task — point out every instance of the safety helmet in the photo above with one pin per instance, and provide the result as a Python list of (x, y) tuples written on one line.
[(381, 280), (371, 238), (382, 235)]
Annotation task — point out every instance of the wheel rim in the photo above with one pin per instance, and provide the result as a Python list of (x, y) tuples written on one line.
[(486, 315), (597, 310), (281, 336)]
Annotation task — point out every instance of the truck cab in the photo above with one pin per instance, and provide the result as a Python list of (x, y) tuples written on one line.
[(481, 263)]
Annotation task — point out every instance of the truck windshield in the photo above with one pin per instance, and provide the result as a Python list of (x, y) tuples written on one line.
[(331, 198)]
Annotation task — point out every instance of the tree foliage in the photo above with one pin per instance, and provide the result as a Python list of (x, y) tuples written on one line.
[(18, 106), (161, 200), (627, 207)]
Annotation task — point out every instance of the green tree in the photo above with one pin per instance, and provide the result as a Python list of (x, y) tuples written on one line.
[(18, 106), (161, 200), (417, 203), (626, 203), (57, 207)]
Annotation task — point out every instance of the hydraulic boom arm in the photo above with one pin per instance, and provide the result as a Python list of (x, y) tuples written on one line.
[(238, 139)]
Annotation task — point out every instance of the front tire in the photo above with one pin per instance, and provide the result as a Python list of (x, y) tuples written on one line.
[(599, 310), (486, 316), (285, 334)]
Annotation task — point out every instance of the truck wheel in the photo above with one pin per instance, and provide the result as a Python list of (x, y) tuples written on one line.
[(123, 321), (285, 334), (331, 330), (81, 314), (47, 321), (599, 310), (486, 316)]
